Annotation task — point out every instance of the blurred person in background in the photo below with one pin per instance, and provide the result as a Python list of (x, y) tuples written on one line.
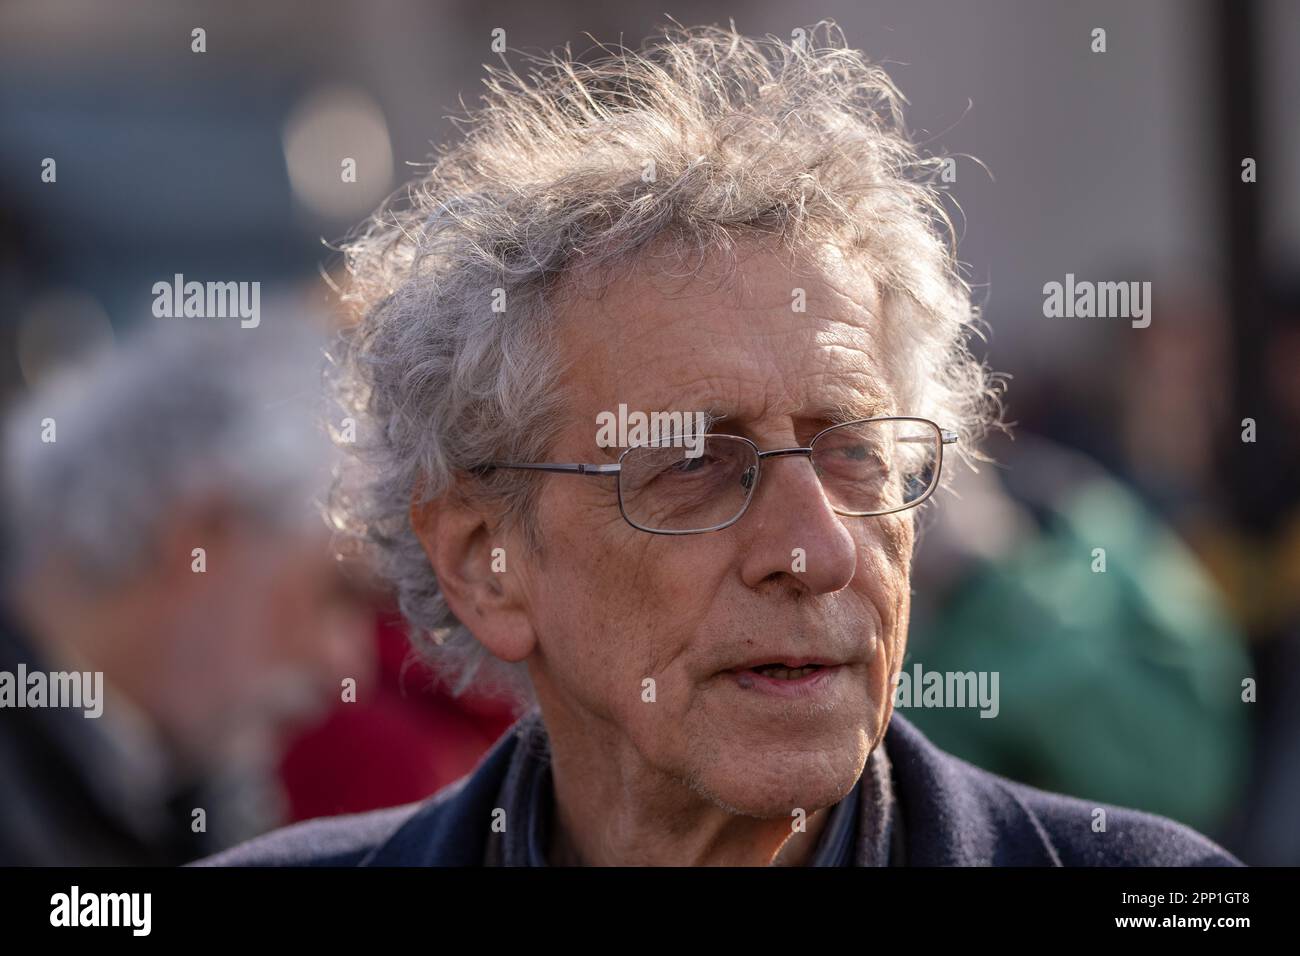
[(183, 437), (1120, 672)]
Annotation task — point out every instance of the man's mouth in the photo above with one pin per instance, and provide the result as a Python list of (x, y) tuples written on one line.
[(785, 676), (783, 665), (782, 671)]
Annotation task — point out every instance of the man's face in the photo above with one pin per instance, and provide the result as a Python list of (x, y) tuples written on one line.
[(267, 635), (613, 606)]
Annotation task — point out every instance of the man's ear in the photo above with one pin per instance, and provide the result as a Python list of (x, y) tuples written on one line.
[(462, 547)]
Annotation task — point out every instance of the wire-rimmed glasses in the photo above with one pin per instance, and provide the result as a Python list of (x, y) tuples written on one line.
[(867, 467)]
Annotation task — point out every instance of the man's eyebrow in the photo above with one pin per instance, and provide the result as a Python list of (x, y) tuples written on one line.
[(712, 411), (865, 406)]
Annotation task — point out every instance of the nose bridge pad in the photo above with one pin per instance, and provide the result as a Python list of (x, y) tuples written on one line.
[(747, 477), (750, 475)]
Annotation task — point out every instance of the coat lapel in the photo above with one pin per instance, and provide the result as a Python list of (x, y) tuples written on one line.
[(957, 815)]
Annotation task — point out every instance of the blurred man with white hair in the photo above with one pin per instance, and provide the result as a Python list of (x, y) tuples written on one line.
[(164, 540)]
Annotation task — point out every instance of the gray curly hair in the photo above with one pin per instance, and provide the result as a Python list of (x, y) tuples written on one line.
[(701, 139)]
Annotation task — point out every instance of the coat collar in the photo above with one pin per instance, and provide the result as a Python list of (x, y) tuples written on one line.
[(952, 813), (955, 814)]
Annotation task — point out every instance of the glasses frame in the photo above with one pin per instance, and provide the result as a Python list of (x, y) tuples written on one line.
[(945, 436)]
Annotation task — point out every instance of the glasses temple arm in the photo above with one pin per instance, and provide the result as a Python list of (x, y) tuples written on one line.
[(577, 468)]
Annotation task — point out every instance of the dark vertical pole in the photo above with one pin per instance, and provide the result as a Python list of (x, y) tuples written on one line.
[(1258, 480), (1233, 39)]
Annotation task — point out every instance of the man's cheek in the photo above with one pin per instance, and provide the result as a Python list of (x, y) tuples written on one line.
[(888, 557), (635, 585), (896, 535), (590, 624)]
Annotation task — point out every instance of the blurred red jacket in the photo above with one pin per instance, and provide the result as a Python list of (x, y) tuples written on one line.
[(402, 740)]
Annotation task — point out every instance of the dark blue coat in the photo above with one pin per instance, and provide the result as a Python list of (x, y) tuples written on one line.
[(954, 814)]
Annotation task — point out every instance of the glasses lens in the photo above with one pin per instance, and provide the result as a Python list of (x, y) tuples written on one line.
[(877, 467), (687, 488)]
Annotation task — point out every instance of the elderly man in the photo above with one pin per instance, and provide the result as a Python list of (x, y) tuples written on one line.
[(710, 235)]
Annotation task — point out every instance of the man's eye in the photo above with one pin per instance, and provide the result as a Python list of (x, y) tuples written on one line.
[(686, 466), (856, 453)]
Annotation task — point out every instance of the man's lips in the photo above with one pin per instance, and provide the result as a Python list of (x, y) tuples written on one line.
[(789, 662), (785, 677)]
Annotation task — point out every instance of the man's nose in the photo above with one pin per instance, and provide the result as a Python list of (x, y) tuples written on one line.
[(791, 529)]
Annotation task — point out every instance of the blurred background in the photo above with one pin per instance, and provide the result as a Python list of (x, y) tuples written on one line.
[(1168, 682)]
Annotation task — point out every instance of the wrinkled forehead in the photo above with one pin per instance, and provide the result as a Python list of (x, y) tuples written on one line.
[(760, 340)]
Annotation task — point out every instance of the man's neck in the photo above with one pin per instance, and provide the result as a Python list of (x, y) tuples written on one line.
[(737, 841), (611, 810)]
